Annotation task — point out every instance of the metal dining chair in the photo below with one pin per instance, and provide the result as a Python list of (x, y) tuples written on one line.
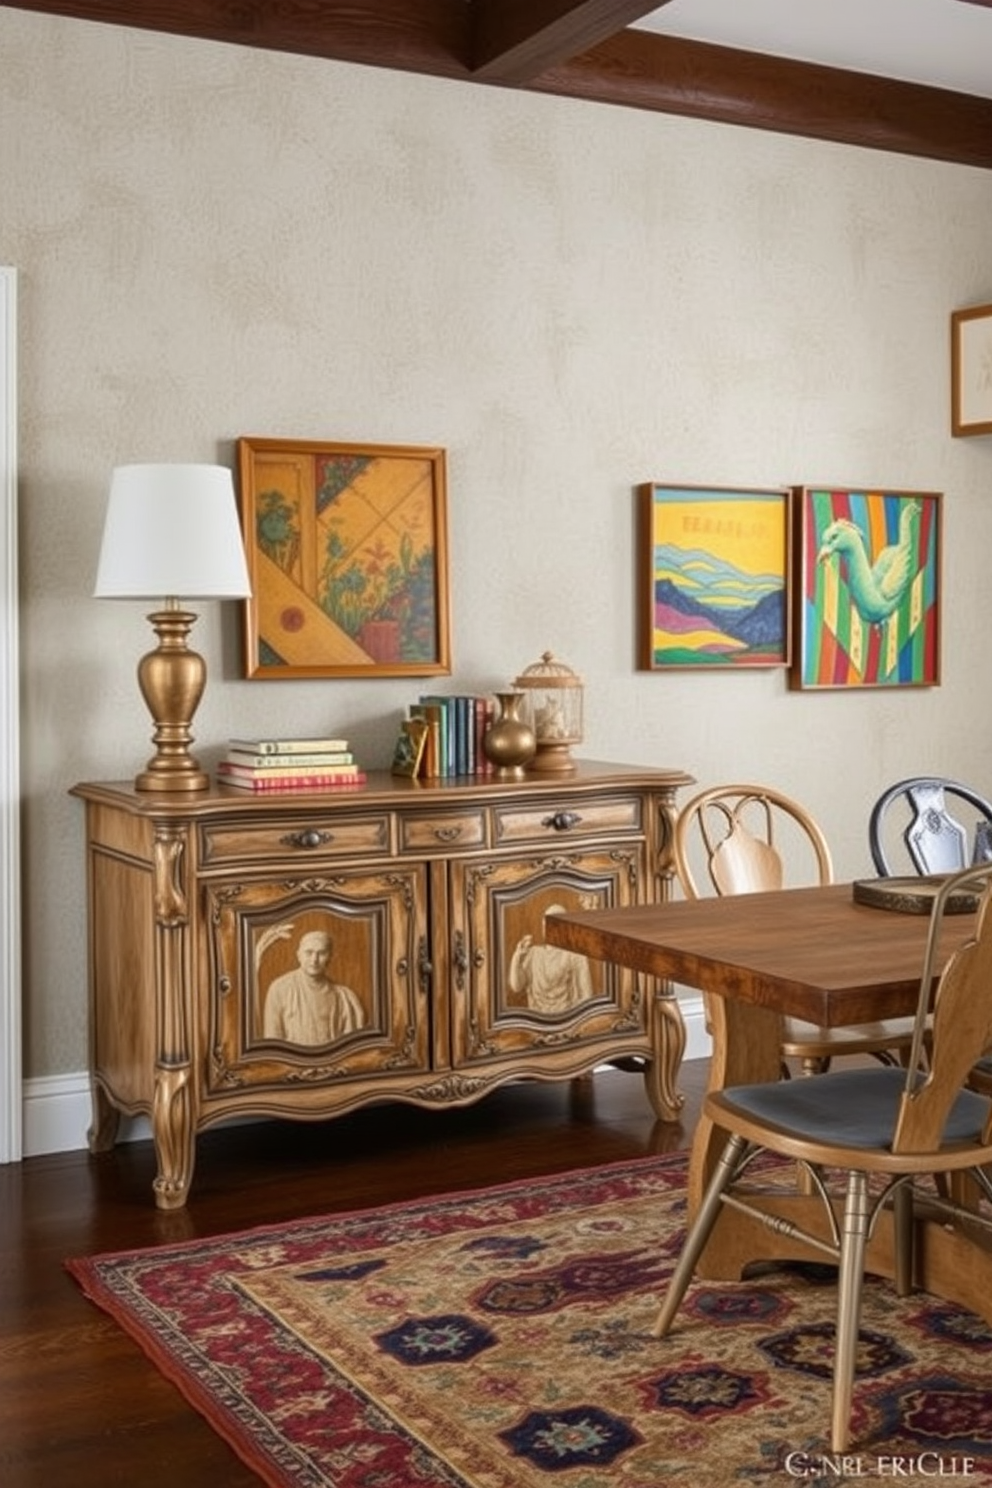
[(892, 1126), (747, 838), (920, 816)]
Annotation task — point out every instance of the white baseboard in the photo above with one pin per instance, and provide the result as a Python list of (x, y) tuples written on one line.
[(57, 1110), (57, 1116)]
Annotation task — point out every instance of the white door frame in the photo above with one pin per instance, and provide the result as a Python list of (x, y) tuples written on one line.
[(11, 1101)]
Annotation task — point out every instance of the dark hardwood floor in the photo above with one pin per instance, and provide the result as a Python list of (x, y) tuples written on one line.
[(79, 1402)]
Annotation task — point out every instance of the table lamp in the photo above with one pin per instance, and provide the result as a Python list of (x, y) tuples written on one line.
[(172, 530)]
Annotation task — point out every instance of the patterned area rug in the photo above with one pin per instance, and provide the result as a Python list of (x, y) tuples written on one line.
[(501, 1339)]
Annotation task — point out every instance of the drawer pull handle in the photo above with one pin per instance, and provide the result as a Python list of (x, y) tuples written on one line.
[(447, 834), (310, 838), (562, 821)]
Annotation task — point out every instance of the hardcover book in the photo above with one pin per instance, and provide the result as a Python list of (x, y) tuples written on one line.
[(289, 783), (264, 761), (288, 746), (231, 769)]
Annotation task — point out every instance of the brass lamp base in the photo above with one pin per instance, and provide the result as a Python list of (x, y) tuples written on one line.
[(172, 679)]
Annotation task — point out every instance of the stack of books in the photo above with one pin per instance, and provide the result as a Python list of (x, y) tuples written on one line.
[(456, 726), (289, 765)]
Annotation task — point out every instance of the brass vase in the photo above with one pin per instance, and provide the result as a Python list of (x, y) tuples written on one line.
[(510, 741)]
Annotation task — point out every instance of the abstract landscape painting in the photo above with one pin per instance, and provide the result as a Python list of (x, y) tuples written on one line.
[(713, 577)]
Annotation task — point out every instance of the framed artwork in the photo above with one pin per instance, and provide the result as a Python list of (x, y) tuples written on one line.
[(713, 577), (409, 750), (868, 595), (348, 559), (971, 370)]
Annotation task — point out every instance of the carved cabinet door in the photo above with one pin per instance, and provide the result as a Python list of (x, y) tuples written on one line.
[(512, 993), (317, 981)]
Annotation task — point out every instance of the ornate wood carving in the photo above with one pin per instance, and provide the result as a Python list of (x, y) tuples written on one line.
[(194, 922)]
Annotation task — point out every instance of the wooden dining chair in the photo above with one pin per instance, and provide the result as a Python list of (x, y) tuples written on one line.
[(916, 821), (891, 1126), (747, 838)]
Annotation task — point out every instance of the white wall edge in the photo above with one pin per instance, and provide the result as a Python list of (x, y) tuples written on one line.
[(11, 1135), (57, 1110)]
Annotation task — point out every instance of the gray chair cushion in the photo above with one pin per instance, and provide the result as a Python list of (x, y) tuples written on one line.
[(854, 1108)]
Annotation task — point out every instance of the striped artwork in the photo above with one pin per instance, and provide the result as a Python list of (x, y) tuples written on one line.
[(869, 589)]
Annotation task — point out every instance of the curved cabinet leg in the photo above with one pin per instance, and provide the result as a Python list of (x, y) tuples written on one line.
[(106, 1121), (661, 1075), (172, 1129)]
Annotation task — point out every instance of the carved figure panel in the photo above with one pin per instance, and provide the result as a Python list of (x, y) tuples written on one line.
[(518, 991), (316, 979)]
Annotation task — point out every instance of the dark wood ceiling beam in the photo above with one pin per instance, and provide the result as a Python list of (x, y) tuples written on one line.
[(427, 36), (634, 69), (668, 75), (514, 40)]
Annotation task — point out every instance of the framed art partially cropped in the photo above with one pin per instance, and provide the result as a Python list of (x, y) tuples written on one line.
[(348, 558), (409, 749), (713, 577), (971, 370), (868, 591)]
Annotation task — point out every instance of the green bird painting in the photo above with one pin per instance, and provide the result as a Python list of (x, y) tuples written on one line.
[(877, 588)]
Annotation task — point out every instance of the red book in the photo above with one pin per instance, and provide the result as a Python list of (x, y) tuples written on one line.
[(274, 783), (234, 770)]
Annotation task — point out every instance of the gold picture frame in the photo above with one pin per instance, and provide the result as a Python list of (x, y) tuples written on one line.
[(348, 559), (409, 751), (971, 370)]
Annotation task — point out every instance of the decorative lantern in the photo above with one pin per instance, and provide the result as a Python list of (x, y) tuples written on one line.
[(553, 707)]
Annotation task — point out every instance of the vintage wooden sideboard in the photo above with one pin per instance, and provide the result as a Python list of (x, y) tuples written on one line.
[(433, 896)]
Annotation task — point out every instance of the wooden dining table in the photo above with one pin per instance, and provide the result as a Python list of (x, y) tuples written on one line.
[(813, 953)]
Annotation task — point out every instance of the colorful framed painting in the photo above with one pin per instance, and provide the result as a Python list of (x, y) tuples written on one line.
[(971, 370), (868, 595), (713, 577), (347, 554)]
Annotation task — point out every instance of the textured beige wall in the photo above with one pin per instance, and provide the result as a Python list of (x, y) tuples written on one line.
[(569, 298)]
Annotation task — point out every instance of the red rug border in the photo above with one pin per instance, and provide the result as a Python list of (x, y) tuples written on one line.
[(84, 1272), (224, 1426)]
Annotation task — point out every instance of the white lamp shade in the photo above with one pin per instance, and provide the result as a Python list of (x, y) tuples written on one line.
[(172, 531)]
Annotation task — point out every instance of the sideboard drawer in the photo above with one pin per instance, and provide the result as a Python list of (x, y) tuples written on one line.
[(329, 835), (440, 831), (572, 818)]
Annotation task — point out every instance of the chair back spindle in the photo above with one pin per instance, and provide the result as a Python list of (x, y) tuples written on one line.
[(948, 1041), (741, 862), (740, 831)]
